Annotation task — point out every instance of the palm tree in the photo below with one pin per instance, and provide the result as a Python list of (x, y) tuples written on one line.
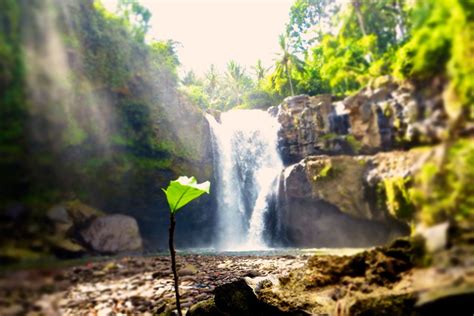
[(356, 4), (259, 71), (237, 82), (286, 62)]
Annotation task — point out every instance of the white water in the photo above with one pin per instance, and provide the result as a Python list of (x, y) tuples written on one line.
[(247, 166)]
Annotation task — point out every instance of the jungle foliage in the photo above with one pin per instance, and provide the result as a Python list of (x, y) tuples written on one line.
[(52, 145), (339, 47)]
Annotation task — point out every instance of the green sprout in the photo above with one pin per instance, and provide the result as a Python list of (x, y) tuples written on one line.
[(179, 193)]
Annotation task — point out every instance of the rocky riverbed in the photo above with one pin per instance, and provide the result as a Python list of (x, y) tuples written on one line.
[(430, 272), (130, 285)]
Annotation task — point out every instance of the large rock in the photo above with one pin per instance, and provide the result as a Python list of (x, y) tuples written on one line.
[(344, 201), (73, 213), (68, 219), (113, 234), (242, 298)]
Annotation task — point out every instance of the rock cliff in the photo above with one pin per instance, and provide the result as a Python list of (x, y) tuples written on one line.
[(349, 166), (380, 117), (341, 201)]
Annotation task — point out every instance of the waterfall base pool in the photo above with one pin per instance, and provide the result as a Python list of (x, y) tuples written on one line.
[(267, 252)]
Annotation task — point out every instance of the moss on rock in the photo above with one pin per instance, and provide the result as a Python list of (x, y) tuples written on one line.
[(398, 193)]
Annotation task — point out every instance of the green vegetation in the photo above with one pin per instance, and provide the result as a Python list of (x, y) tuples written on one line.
[(12, 105), (338, 48), (179, 193), (113, 115), (354, 143), (326, 170), (444, 187), (399, 201)]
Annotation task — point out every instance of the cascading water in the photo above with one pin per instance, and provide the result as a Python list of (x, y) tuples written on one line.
[(247, 167)]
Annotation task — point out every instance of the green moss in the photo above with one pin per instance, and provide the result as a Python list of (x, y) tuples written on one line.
[(16, 254), (399, 197), (74, 135), (383, 304), (356, 145), (442, 43), (326, 171), (362, 162), (328, 136), (386, 109), (444, 189), (146, 163)]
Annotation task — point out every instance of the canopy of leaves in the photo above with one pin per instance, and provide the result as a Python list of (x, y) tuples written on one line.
[(309, 21), (184, 190), (221, 91), (136, 16)]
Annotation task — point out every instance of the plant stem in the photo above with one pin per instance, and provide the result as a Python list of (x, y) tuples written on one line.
[(173, 261), (291, 82)]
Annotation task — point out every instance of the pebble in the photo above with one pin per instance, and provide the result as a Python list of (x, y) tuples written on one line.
[(136, 285)]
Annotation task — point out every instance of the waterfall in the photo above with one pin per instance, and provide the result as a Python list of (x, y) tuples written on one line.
[(247, 165)]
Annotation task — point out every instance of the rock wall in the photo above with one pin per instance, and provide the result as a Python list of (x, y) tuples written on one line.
[(380, 117), (349, 167), (340, 201)]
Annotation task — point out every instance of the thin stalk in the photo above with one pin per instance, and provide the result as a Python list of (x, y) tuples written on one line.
[(173, 262), (291, 82)]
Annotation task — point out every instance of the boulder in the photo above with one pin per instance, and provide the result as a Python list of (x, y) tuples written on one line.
[(59, 214), (80, 213), (241, 297), (112, 234), (204, 308)]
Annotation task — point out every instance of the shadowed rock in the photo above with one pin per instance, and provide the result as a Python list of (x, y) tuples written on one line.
[(113, 234)]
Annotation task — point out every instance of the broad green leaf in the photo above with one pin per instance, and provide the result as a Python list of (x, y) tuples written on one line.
[(183, 190)]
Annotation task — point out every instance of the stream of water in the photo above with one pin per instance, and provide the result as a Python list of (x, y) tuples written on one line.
[(247, 165)]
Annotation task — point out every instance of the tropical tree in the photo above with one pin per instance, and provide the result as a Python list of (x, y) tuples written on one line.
[(259, 71), (212, 86), (237, 83), (136, 15), (285, 64), (309, 21)]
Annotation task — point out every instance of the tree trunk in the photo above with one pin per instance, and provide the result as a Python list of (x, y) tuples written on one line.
[(356, 4), (291, 82), (173, 261), (401, 20)]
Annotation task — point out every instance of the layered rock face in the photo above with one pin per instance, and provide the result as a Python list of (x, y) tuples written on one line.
[(340, 201), (382, 116), (305, 122), (347, 178)]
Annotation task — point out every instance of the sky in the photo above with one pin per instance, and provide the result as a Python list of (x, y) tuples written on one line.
[(216, 31)]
